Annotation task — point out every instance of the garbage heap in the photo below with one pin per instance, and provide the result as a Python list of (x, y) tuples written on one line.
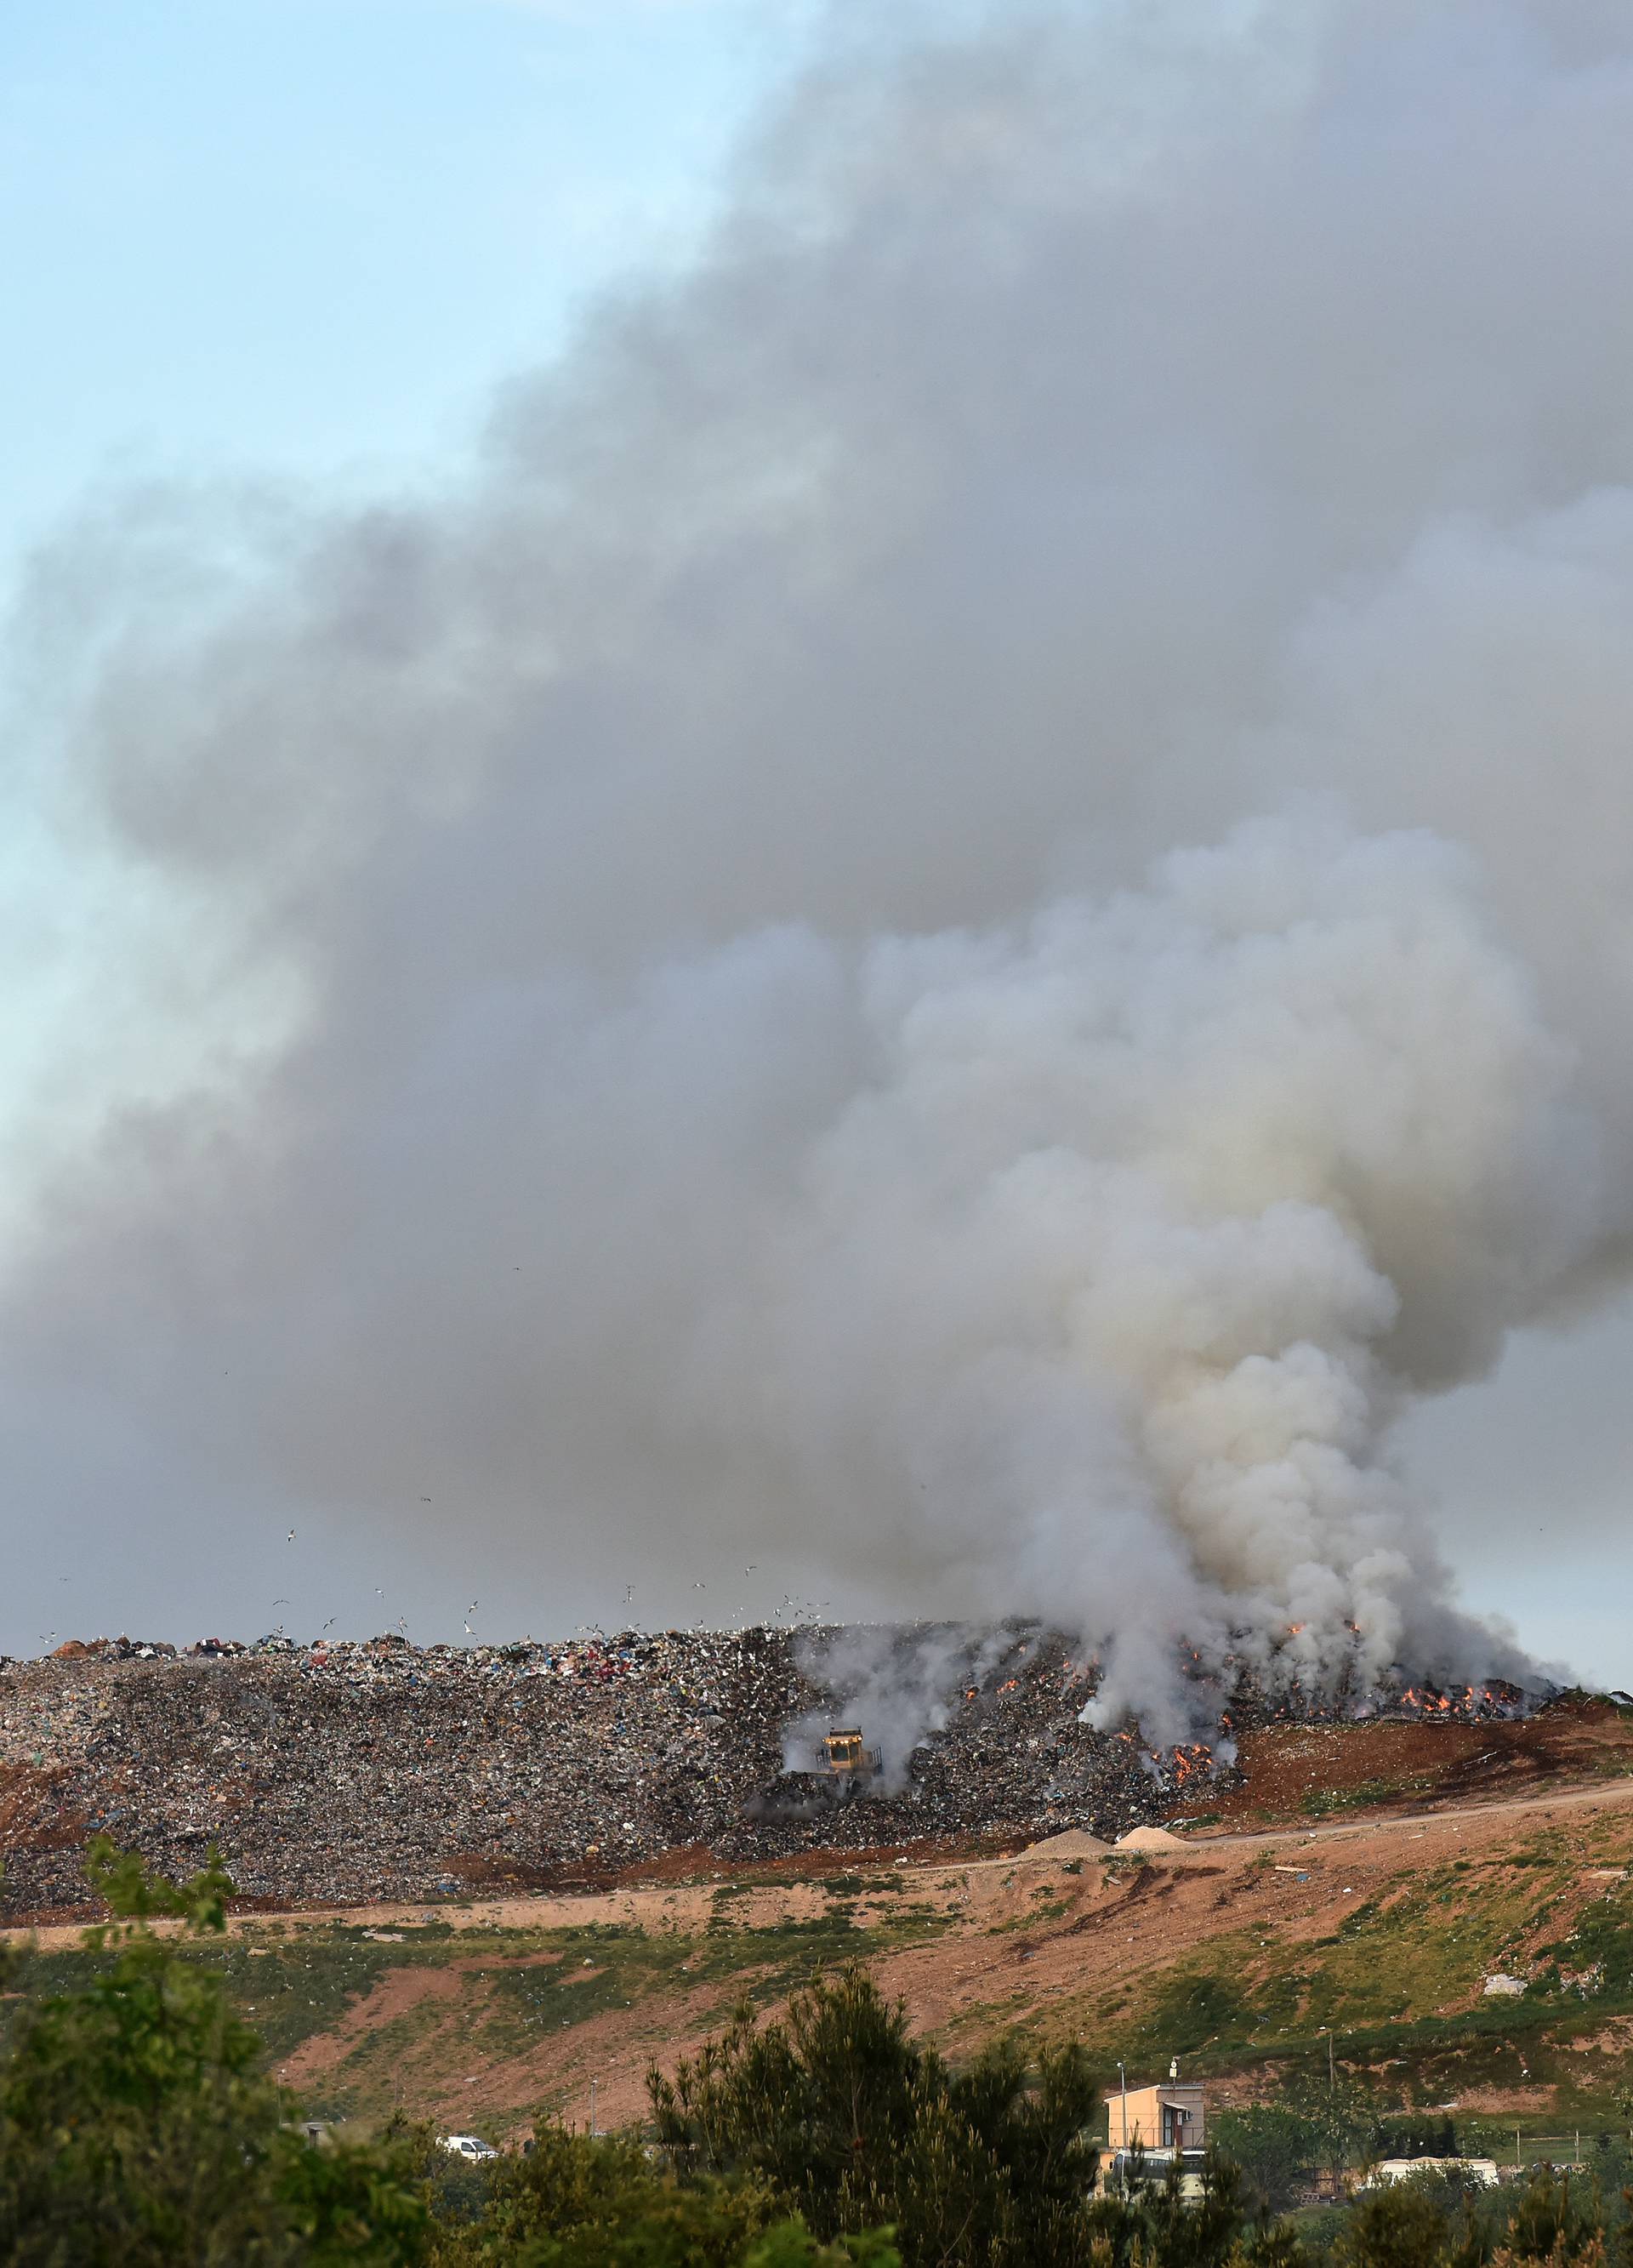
[(347, 1772)]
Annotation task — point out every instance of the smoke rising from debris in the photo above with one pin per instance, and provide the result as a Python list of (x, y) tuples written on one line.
[(898, 1687), (965, 911)]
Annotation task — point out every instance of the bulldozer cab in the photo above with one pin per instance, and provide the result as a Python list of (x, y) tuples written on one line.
[(846, 1764), (841, 1768)]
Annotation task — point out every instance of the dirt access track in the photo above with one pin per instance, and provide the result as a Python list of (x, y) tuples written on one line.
[(1018, 1945), (1239, 1943), (768, 1892)]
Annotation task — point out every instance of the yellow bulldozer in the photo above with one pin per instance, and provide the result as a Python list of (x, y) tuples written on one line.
[(842, 1768), (845, 1768)]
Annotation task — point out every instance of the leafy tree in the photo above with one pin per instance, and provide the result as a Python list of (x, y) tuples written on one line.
[(1552, 2220), (1340, 2115), (790, 2245), (576, 2201), (854, 2127), (136, 2131), (1422, 2135), (1199, 2232), (1153, 2223), (1396, 2227), (1272, 2146)]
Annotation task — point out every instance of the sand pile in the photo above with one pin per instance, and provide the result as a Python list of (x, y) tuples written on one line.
[(1075, 1843)]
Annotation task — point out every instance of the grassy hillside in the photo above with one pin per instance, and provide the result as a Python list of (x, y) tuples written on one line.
[(1351, 1925)]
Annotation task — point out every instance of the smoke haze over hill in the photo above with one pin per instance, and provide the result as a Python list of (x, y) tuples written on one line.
[(955, 920)]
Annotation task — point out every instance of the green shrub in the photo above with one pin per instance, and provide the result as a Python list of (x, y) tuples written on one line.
[(854, 2125)]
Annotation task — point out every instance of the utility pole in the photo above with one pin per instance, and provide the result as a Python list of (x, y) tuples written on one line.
[(592, 2107), (1123, 2078), (1332, 2076)]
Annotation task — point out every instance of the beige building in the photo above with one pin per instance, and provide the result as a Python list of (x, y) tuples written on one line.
[(1158, 2120)]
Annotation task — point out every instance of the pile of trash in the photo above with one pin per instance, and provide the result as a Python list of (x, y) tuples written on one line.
[(343, 1772), (346, 1771)]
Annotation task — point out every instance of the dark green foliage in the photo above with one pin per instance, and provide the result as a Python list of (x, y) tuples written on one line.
[(1394, 2227), (1275, 2148), (1155, 2224), (579, 2202), (1554, 2219), (138, 2129), (135, 2127), (1423, 2136), (1339, 2115), (843, 2117)]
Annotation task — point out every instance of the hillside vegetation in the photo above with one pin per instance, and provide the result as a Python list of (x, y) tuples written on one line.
[(1247, 1949)]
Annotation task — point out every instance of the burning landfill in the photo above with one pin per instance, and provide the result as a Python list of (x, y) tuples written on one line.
[(953, 925), (346, 1771)]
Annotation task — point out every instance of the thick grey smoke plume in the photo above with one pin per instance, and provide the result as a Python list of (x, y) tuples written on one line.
[(899, 1687), (965, 911)]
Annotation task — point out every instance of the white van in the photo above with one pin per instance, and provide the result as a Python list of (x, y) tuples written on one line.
[(467, 2145)]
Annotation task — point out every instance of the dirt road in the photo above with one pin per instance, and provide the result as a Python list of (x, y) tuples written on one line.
[(677, 1905)]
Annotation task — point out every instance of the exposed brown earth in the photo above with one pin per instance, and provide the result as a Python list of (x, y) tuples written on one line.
[(1053, 1941), (1282, 1767), (1002, 1963), (1041, 1944)]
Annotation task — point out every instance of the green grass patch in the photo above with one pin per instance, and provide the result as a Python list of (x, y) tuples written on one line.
[(1321, 1802)]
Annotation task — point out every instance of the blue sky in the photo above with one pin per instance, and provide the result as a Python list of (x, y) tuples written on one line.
[(299, 238), (292, 235)]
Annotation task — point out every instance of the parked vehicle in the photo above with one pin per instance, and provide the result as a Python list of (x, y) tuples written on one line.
[(469, 2146)]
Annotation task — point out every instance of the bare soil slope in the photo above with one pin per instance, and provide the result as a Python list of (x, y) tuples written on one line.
[(1331, 1907)]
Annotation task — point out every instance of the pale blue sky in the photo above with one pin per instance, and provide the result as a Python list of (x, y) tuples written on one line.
[(307, 238), (309, 234)]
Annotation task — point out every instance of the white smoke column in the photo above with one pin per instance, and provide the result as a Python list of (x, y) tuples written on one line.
[(624, 1034), (1098, 1297), (900, 1687)]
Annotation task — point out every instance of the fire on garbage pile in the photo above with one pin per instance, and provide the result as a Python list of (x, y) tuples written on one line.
[(348, 1771)]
